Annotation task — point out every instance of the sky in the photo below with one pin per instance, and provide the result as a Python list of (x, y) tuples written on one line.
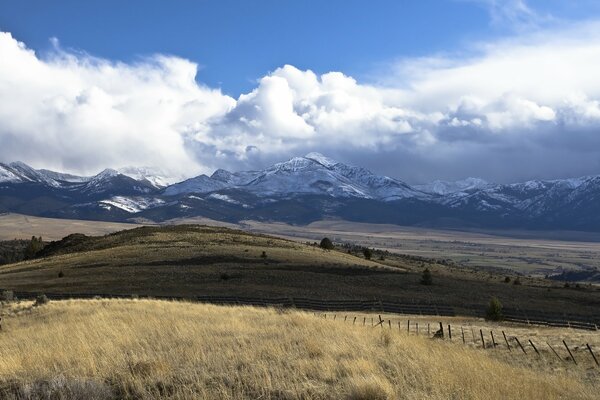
[(417, 90)]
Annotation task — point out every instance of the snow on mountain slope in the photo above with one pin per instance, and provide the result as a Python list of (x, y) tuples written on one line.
[(199, 184), (156, 177), (7, 174), (132, 204), (19, 172), (444, 187), (61, 177)]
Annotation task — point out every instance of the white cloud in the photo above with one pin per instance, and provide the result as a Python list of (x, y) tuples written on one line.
[(524, 107), (83, 114)]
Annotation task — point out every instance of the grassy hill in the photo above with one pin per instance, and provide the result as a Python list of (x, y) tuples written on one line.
[(183, 260), (193, 260), (148, 349)]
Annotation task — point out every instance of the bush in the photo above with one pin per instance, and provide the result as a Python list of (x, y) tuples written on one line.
[(61, 274), (517, 281), (7, 295), (264, 254), (367, 252), (41, 300), (426, 278), (326, 244), (225, 276), (507, 279), (494, 310)]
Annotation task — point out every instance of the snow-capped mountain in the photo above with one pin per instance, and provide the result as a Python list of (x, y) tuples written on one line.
[(18, 172), (313, 174), (155, 177), (301, 190)]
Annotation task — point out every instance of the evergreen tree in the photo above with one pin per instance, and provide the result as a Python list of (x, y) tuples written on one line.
[(367, 253), (494, 310), (426, 278), (326, 244)]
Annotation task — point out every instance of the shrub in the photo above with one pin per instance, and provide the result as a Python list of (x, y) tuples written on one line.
[(367, 252), (61, 274), (494, 310), (426, 278), (264, 254), (7, 295), (225, 276), (41, 300), (326, 244), (507, 279), (517, 281)]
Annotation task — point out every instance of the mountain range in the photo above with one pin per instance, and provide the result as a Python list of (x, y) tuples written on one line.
[(299, 191)]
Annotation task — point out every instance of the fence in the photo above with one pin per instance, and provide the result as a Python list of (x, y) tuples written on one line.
[(374, 305), (483, 337)]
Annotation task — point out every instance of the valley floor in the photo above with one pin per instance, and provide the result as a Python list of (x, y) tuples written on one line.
[(146, 349)]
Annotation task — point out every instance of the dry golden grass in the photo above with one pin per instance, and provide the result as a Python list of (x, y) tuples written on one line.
[(18, 226), (147, 349)]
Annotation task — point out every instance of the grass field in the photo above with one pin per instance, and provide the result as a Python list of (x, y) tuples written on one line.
[(526, 252), (18, 226), (144, 349)]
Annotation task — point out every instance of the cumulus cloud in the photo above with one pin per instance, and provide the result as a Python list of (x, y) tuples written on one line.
[(82, 114), (525, 107)]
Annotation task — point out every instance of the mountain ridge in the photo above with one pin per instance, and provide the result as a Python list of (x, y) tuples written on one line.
[(301, 190)]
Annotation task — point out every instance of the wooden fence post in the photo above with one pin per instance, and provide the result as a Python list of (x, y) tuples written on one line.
[(482, 340), (428, 331), (554, 351), (592, 353), (506, 340), (417, 329), (334, 316), (462, 331), (390, 323), (449, 332), (354, 322), (345, 318), (364, 320), (371, 321), (493, 340), (473, 335), (533, 345), (569, 350), (442, 329), (520, 345), (408, 326)]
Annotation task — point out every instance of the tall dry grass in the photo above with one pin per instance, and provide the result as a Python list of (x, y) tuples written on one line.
[(109, 349)]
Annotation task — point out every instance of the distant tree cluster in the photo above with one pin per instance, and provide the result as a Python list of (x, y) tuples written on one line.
[(12, 251), (34, 245)]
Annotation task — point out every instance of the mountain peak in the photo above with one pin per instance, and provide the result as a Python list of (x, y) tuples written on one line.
[(321, 159)]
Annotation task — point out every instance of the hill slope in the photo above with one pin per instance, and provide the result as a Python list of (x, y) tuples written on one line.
[(183, 260), (109, 349)]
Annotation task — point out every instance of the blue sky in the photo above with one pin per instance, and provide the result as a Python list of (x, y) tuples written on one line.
[(238, 42), (419, 90)]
